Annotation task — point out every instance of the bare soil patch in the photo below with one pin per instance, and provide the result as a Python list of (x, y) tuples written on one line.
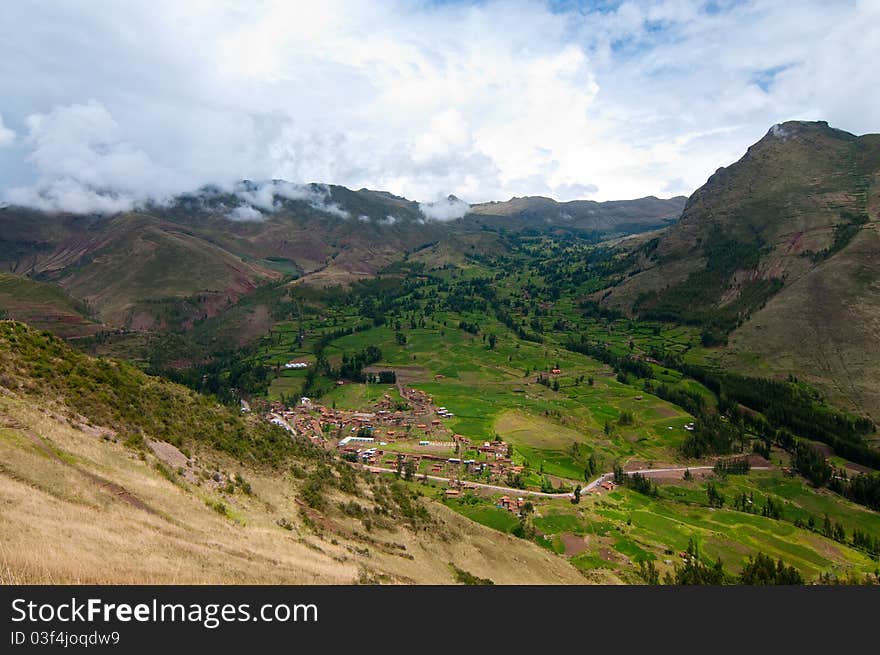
[(405, 374), (574, 544)]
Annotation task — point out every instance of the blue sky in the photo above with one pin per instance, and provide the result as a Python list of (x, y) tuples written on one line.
[(106, 105)]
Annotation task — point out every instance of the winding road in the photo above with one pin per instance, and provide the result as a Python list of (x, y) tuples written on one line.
[(569, 494)]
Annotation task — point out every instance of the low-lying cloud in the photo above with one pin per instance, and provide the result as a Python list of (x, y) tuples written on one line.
[(269, 196), (245, 213), (486, 100), (447, 209), (7, 136)]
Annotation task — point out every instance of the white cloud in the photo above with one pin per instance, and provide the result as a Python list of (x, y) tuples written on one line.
[(445, 209), (7, 136), (117, 103), (69, 195), (268, 195), (84, 164), (245, 213)]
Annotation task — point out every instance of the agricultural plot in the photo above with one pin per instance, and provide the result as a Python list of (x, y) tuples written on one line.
[(617, 530), (568, 417), (490, 395)]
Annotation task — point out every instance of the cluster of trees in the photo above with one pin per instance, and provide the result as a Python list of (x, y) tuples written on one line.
[(714, 496), (761, 447), (548, 382), (761, 570), (592, 465), (694, 301), (810, 463), (786, 405), (515, 326), (478, 295), (592, 309), (525, 529), (712, 435), (743, 502), (227, 376), (352, 366), (864, 488), (772, 509), (746, 503), (691, 401), (843, 234), (695, 572), (866, 542), (382, 377), (472, 328), (635, 481), (620, 364), (732, 465)]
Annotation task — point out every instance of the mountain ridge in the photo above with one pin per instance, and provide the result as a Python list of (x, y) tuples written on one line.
[(170, 265), (777, 253)]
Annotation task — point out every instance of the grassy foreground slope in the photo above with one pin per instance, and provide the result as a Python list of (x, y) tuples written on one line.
[(110, 476)]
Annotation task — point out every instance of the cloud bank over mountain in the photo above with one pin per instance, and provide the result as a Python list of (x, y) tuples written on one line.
[(109, 105), (446, 209)]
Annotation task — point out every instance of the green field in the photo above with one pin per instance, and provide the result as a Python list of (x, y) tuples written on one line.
[(625, 527), (495, 376)]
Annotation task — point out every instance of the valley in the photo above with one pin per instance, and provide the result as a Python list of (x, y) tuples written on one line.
[(532, 392)]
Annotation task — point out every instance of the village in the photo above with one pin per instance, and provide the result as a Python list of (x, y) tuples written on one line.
[(407, 436)]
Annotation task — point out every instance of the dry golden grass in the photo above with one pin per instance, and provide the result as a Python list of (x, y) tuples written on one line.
[(63, 520)]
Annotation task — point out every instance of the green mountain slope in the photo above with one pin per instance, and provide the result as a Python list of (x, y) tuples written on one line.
[(605, 219), (44, 305), (167, 267), (781, 248)]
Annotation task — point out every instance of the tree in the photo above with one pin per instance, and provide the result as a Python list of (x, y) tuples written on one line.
[(648, 572), (577, 495), (593, 464), (715, 497), (760, 570), (588, 471), (492, 341), (694, 572)]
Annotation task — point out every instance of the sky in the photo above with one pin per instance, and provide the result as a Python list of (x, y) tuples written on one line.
[(105, 105)]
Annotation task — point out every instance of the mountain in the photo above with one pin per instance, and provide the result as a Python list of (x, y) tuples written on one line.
[(603, 218), (778, 256), (169, 266), (45, 306), (115, 477)]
